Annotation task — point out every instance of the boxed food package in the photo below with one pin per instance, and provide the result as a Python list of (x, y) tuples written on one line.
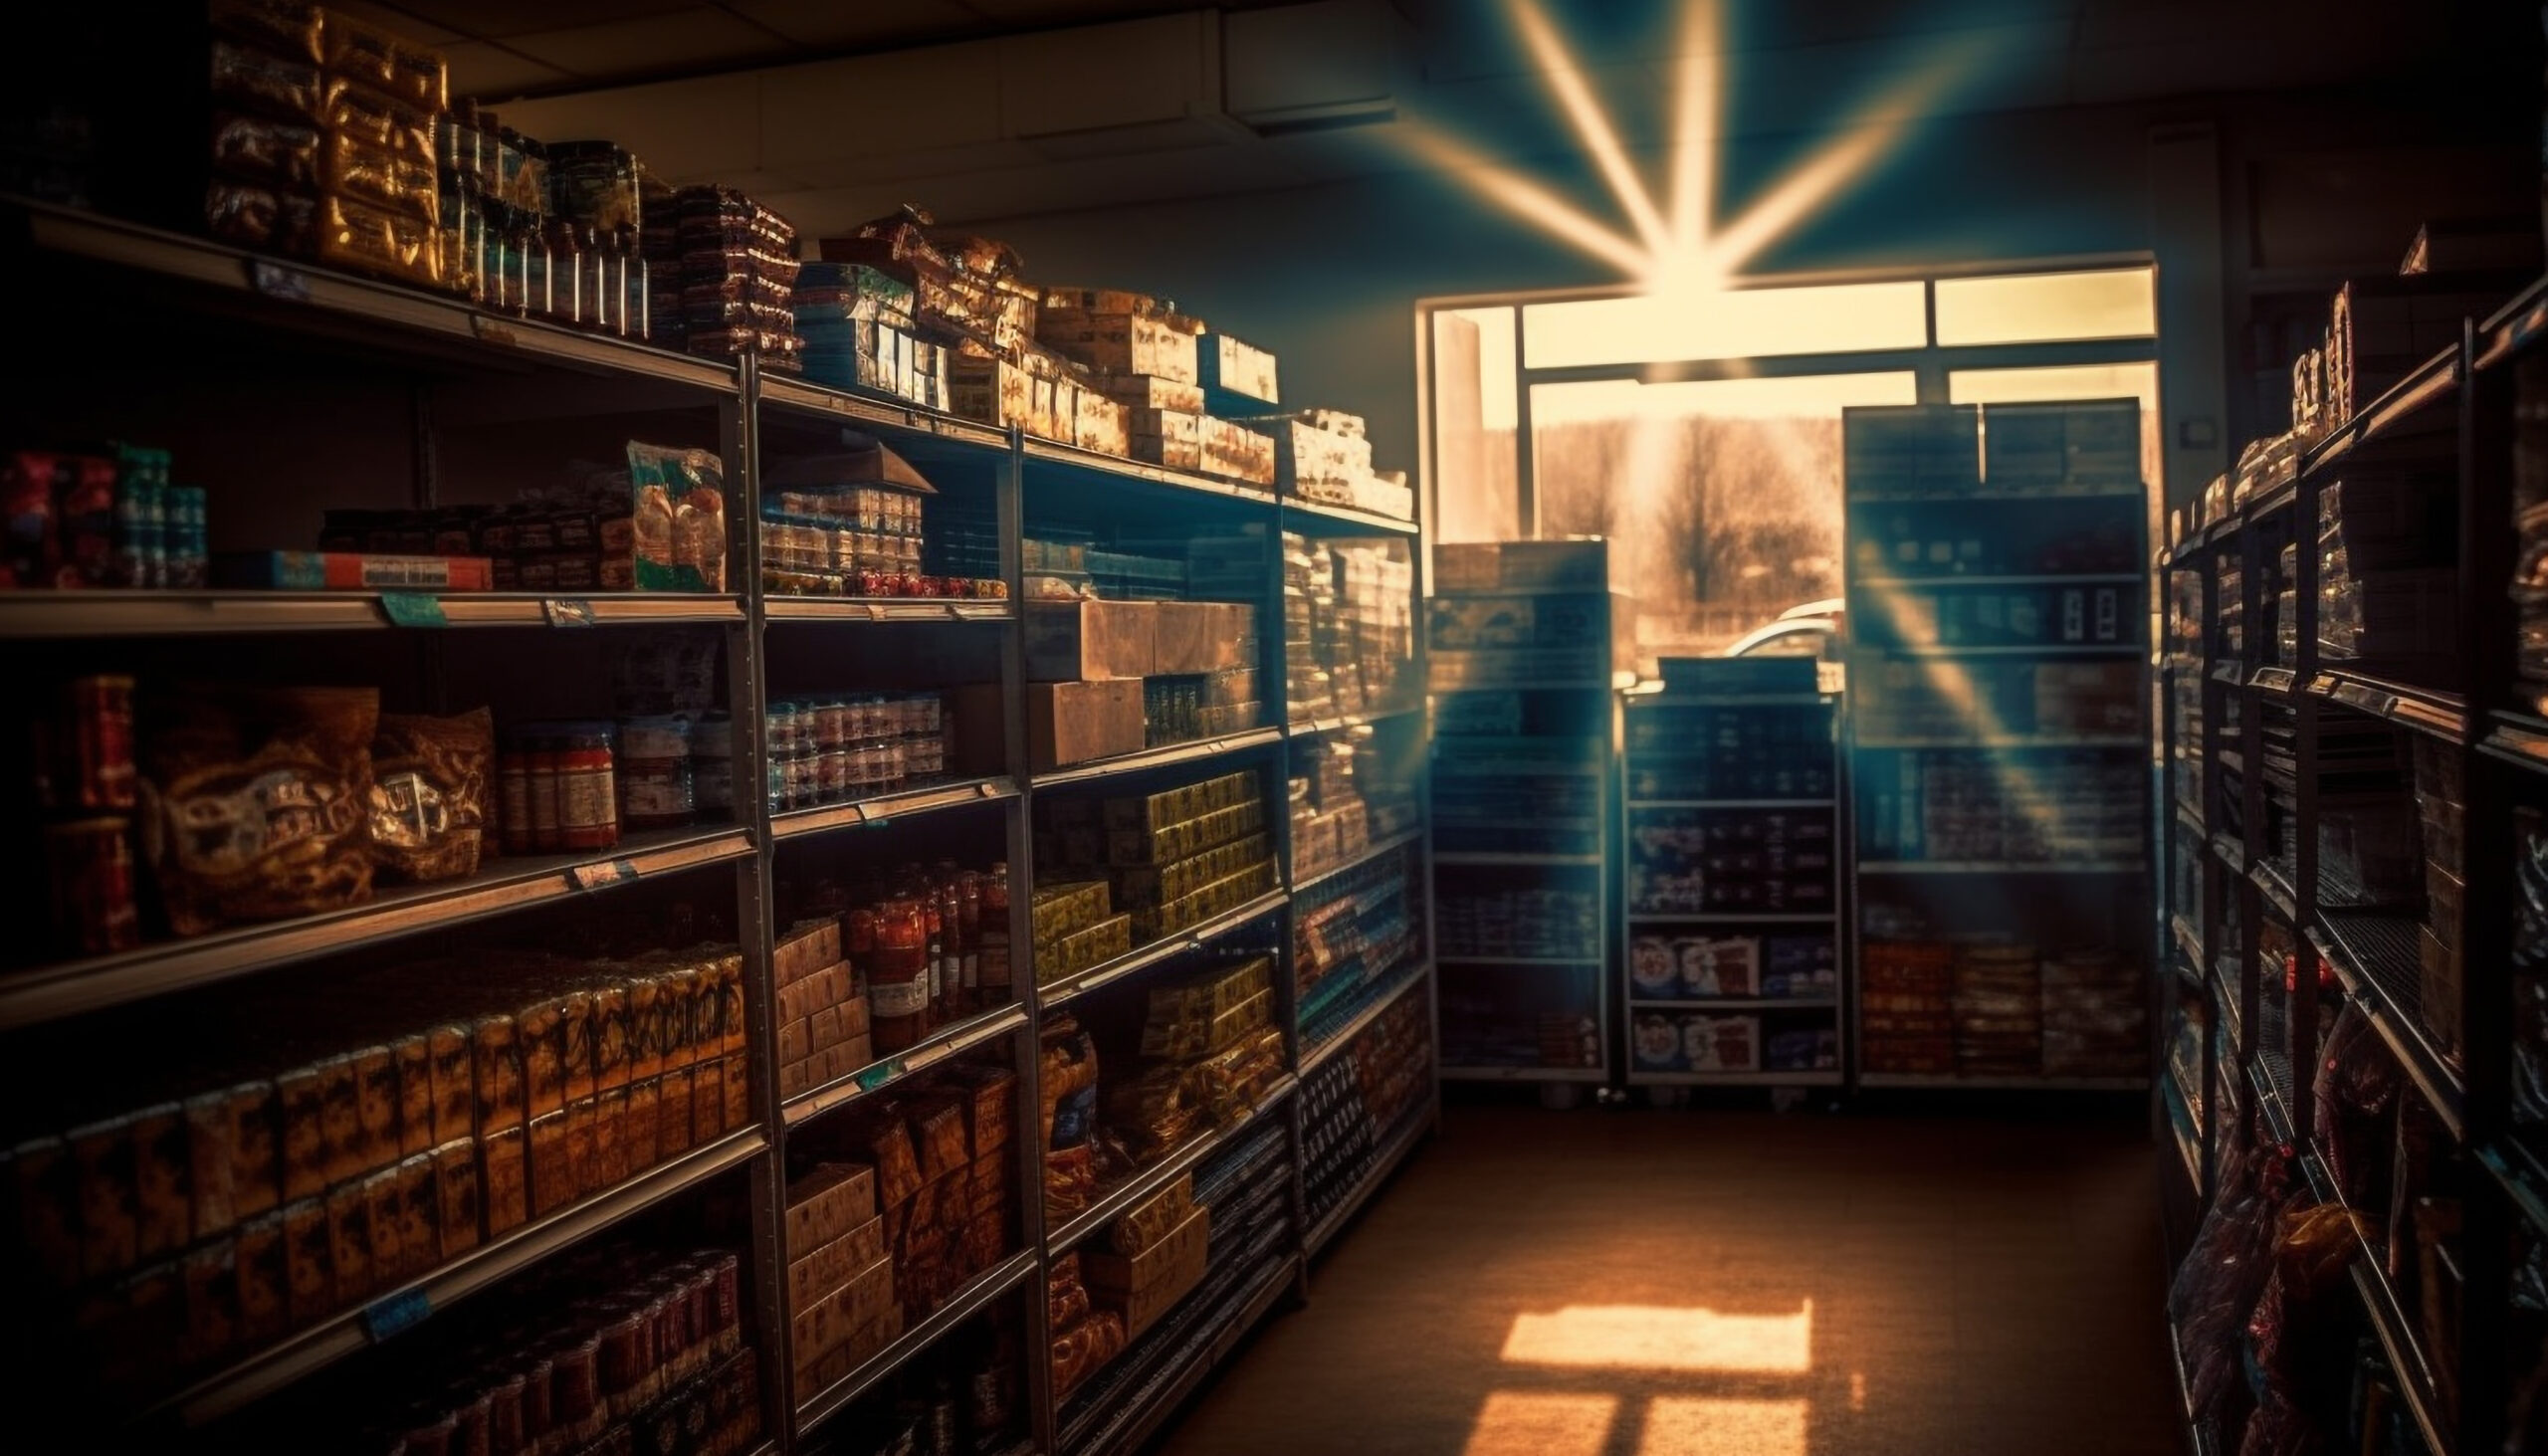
[(1140, 392), (1147, 1285), (1193, 637), (1233, 367), (1090, 640), (1119, 343), (1074, 723), (1234, 452)]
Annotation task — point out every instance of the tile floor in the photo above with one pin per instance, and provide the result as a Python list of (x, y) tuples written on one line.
[(1636, 1283)]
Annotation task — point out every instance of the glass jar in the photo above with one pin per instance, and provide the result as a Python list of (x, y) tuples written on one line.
[(587, 788), (898, 975)]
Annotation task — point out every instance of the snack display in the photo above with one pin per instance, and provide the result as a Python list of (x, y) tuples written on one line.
[(724, 270), (1170, 860), (1553, 922), (1975, 804), (110, 517), (1351, 934), (1768, 861), (829, 750), (1348, 626), (1355, 1105)]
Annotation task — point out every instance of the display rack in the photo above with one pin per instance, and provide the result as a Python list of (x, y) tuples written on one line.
[(1729, 791), (454, 379), (1523, 642), (1996, 723), (2428, 742)]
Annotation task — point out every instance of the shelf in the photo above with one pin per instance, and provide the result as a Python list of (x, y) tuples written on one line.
[(1143, 957), (1453, 1073), (2195, 1435), (2018, 741), (2515, 328), (884, 1071), (2229, 852), (2003, 1083), (884, 809), (1397, 983), (1732, 803), (1640, 918), (1163, 1173), (2281, 682), (1653, 695), (2518, 740), (2432, 381), (1115, 470), (821, 402), (67, 988), (2523, 1179), (971, 1300), (2032, 649), (1587, 861), (2276, 890), (1261, 1295), (2000, 866), (905, 609), (2187, 939), (2441, 714), (1321, 517), (2378, 959), (1312, 726), (1735, 1003), (27, 615), (2046, 579), (373, 315), (1374, 851), (2397, 1337), (2224, 992), (1149, 758), (1420, 1121), (2277, 1114), (1818, 1077), (1446, 958), (2044, 496), (332, 1340)]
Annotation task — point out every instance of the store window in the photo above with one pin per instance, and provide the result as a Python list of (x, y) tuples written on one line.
[(1702, 436)]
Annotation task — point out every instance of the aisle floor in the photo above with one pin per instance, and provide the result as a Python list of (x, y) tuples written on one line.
[(1633, 1283)]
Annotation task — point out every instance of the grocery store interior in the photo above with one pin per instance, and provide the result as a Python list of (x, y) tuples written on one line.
[(1216, 728)]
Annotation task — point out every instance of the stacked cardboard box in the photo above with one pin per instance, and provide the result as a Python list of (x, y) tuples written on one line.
[(1076, 926), (860, 332), (1172, 859), (876, 1246), (823, 1031), (1325, 456), (1210, 1054), (363, 1133)]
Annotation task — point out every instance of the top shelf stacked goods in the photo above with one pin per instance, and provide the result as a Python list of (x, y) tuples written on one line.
[(1522, 640), (1731, 874), (1999, 623)]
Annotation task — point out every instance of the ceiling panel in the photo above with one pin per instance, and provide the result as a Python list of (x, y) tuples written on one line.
[(488, 72), (650, 44), (495, 19), (398, 19), (835, 24)]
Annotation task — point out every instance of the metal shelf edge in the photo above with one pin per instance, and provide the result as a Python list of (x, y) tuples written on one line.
[(1143, 957), (1420, 1121), (1148, 759), (1158, 1174), (332, 1340), (1391, 845), (953, 1043), (2442, 1088), (67, 988), (905, 804), (967, 1302), (1398, 985)]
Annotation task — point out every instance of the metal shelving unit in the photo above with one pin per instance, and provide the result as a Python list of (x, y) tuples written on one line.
[(1944, 733), (460, 367), (1782, 749), (2446, 423)]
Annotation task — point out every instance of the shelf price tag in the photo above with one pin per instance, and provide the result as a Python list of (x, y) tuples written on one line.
[(413, 609), (278, 280), (491, 330), (602, 874), (400, 1311), (880, 1074), (566, 611)]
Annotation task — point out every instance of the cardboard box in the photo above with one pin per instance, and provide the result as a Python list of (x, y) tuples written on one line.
[(828, 1201), (1234, 367), (1121, 344), (1148, 1285), (1235, 452), (1142, 393), (1201, 637), (1102, 424), (1088, 641), (1073, 722), (1520, 565)]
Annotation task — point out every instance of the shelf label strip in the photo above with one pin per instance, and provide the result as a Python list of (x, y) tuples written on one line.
[(413, 609)]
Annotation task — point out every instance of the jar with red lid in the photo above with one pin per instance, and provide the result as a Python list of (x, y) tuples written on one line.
[(587, 787)]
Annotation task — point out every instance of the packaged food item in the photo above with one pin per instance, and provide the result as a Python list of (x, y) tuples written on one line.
[(256, 803), (680, 518), (431, 786)]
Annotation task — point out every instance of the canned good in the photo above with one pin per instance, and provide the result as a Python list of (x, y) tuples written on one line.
[(88, 752)]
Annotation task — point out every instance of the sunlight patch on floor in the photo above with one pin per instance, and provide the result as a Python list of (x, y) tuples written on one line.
[(1520, 1423), (1657, 1338)]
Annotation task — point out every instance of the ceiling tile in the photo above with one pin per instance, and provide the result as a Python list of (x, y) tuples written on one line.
[(830, 22), (494, 19), (399, 20), (490, 72), (680, 39)]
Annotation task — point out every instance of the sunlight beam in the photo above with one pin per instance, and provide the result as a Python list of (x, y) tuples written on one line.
[(1527, 200), (1527, 1423), (1681, 1425), (1660, 1337), (1591, 124), (1694, 134)]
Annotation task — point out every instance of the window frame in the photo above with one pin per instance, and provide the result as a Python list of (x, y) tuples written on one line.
[(1930, 364)]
